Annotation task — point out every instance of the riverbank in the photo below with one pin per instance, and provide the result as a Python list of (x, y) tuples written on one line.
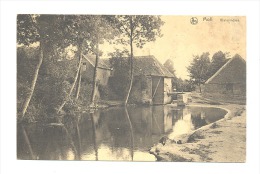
[(223, 141)]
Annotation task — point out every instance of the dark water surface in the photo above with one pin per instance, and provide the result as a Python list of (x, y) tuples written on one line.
[(110, 134)]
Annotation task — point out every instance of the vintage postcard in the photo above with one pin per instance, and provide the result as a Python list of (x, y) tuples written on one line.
[(131, 88)]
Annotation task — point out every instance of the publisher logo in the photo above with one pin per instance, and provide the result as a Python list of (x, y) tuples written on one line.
[(193, 20)]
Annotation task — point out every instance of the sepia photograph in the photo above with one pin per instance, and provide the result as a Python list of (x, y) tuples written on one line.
[(131, 88)]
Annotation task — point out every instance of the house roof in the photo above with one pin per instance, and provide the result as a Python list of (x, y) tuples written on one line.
[(234, 71), (149, 65), (103, 63)]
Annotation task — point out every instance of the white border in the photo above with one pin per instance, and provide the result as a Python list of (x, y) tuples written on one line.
[(9, 9)]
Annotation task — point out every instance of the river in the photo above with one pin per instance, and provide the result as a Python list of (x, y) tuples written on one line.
[(111, 134)]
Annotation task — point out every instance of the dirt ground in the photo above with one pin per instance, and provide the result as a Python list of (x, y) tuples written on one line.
[(223, 141)]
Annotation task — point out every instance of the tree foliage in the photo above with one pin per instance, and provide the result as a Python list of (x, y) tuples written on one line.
[(119, 83), (184, 85), (46, 32), (170, 66), (87, 30), (119, 62), (217, 61), (52, 35), (86, 33), (27, 32), (199, 68), (136, 30)]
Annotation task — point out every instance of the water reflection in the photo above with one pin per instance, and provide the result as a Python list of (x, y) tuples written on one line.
[(111, 134)]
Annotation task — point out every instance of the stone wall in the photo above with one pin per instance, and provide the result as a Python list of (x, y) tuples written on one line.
[(167, 89)]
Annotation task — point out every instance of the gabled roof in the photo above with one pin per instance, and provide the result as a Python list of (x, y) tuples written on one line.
[(103, 63), (149, 65), (234, 71)]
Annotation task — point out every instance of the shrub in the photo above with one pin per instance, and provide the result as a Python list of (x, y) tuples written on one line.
[(104, 91), (52, 86), (119, 86)]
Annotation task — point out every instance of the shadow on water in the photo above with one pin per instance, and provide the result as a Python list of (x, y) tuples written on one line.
[(132, 134), (94, 135), (45, 143), (79, 140), (27, 142), (121, 133)]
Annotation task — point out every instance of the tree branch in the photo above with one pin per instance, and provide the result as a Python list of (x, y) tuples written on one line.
[(127, 32), (35, 25)]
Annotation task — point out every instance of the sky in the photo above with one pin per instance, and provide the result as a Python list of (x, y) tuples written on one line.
[(181, 39)]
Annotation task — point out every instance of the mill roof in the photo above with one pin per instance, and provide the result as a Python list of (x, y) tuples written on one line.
[(149, 65), (103, 63), (234, 71)]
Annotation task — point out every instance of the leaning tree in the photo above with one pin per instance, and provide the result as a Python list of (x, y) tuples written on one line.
[(86, 32), (37, 29)]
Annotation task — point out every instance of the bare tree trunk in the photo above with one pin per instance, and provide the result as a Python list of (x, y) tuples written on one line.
[(131, 62), (73, 85), (94, 83), (79, 81), (200, 86), (35, 77)]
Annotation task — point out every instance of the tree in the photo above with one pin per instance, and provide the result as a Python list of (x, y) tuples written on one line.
[(33, 29), (120, 64), (77, 29), (28, 33), (102, 31), (136, 30), (169, 65), (217, 61), (86, 32), (198, 69)]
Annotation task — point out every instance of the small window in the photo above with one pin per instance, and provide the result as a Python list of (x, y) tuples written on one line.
[(84, 63)]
